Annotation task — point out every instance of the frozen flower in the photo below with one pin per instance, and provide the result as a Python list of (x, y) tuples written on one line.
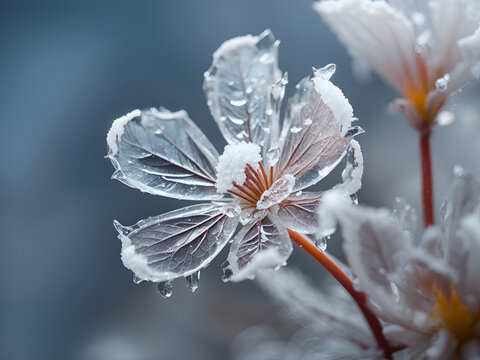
[(327, 324), (259, 180), (425, 49), (427, 290)]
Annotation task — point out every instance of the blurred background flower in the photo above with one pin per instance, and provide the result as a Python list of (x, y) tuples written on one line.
[(67, 71)]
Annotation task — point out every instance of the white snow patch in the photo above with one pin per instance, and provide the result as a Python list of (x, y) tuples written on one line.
[(333, 97), (278, 192), (136, 262), (232, 163), (234, 44), (264, 260), (116, 131), (470, 48)]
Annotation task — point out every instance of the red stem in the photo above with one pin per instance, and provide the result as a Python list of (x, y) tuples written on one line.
[(347, 283), (427, 187)]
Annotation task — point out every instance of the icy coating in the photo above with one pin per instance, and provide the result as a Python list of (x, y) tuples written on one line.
[(260, 180), (232, 163), (333, 97), (116, 131), (278, 192)]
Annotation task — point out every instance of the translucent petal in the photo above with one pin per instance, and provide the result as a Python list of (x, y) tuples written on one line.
[(353, 172), (175, 244), (238, 88), (299, 212), (163, 153), (369, 28), (312, 141), (262, 243)]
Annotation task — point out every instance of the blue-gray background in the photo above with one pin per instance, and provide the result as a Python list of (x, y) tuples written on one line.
[(67, 70)]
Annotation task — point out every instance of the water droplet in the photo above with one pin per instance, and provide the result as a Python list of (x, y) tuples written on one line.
[(442, 83), (223, 118), (232, 210), (273, 155), (124, 230), (298, 193), (326, 72), (240, 102), (158, 131), (354, 198), (227, 271), (445, 118), (269, 112), (418, 18), (249, 90), (192, 281), (458, 170), (136, 279), (295, 130), (307, 122), (230, 83), (353, 131), (165, 288), (321, 243), (236, 120), (266, 58)]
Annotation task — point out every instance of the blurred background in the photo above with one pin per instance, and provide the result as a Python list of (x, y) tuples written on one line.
[(67, 70)]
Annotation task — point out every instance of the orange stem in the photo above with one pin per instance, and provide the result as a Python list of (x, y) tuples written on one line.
[(427, 186), (346, 282)]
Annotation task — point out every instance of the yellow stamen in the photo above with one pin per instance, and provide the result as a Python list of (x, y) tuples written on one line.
[(454, 315)]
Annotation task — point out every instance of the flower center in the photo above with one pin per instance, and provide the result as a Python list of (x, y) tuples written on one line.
[(452, 314), (241, 173)]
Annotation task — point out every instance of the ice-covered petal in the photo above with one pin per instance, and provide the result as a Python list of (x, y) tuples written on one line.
[(463, 199), (175, 244), (278, 192), (378, 251), (163, 153), (238, 88), (299, 212), (452, 20), (376, 32), (352, 174), (261, 244), (312, 140)]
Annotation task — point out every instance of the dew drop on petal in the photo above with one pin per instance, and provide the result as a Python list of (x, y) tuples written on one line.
[(227, 271), (445, 118), (236, 121), (354, 198), (353, 131), (136, 279), (165, 288), (442, 83), (240, 102), (192, 281), (298, 193), (223, 118), (232, 210), (273, 155), (295, 130)]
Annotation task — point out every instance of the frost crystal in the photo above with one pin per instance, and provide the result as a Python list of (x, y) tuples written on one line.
[(117, 129), (232, 163), (278, 192), (333, 97)]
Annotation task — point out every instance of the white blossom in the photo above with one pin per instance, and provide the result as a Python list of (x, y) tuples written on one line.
[(425, 49), (255, 181), (426, 291)]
